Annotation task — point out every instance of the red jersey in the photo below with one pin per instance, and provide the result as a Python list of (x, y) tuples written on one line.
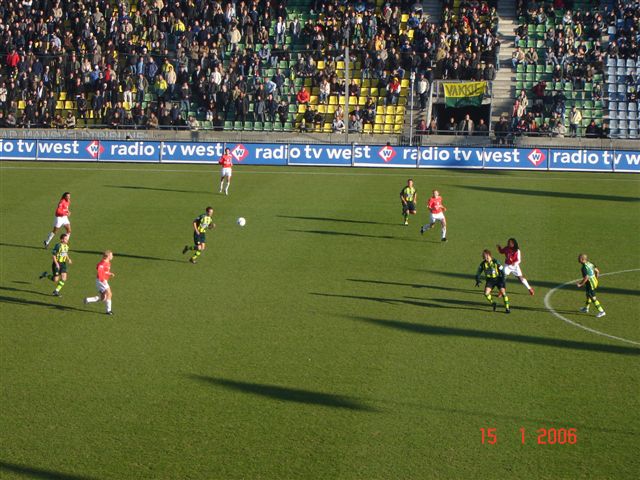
[(63, 208), (435, 205), (104, 270), (511, 255), (226, 161)]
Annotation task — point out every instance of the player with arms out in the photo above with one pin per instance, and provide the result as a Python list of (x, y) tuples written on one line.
[(102, 282), (200, 225), (409, 197), (227, 164), (437, 210), (61, 219), (61, 258), (590, 274), (512, 259), (494, 276)]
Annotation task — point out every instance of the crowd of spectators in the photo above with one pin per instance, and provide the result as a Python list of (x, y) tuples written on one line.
[(571, 46)]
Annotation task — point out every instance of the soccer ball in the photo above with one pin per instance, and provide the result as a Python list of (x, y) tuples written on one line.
[(241, 221)]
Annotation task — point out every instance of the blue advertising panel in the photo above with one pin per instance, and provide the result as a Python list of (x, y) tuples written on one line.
[(515, 158), (581, 160), (628, 161), (191, 152), (128, 151), (324, 155), (449, 157), (18, 149), (387, 156), (258, 153), (68, 150)]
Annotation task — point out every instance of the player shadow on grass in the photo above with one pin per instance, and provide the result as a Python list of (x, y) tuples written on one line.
[(22, 301), (551, 194), (490, 335), (536, 283), (358, 235), (342, 220), (514, 308), (413, 285), (33, 472), (35, 292), (157, 189), (286, 394), (98, 252), (395, 301)]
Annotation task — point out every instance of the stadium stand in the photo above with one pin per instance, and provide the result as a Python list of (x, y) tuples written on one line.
[(623, 69), (560, 65), (208, 64)]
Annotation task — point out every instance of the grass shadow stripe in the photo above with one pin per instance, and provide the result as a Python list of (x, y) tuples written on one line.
[(32, 472), (286, 394)]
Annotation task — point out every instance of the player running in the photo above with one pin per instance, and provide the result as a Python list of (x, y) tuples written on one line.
[(512, 259), (409, 197), (437, 210), (200, 226), (61, 258), (102, 281), (61, 219), (494, 275), (227, 163), (590, 274)]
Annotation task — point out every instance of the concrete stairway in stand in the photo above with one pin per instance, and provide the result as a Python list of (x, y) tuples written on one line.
[(505, 83)]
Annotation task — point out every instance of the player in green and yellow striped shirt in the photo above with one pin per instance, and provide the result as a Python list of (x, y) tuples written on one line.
[(200, 225), (494, 276), (590, 274), (409, 197), (60, 255)]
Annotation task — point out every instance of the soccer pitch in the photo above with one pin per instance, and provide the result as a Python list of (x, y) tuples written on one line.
[(324, 339)]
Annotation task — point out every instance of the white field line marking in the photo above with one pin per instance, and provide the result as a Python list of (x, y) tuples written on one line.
[(424, 172), (547, 304)]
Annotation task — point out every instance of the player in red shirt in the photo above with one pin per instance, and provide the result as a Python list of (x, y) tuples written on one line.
[(102, 281), (227, 163), (512, 259), (61, 219), (437, 209)]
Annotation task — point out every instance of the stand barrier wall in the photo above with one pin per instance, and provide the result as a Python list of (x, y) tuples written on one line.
[(324, 155)]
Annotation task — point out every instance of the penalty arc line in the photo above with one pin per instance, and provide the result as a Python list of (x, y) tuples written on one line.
[(547, 304)]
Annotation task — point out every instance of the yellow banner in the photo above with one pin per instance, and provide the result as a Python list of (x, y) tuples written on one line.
[(464, 89)]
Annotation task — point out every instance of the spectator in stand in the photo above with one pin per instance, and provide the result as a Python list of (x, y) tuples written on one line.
[(481, 129), (421, 128), (393, 91), (303, 96), (466, 125), (531, 57), (593, 131), (575, 121), (451, 128), (517, 58)]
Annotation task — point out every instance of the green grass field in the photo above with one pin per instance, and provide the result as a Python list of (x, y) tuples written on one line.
[(324, 339)]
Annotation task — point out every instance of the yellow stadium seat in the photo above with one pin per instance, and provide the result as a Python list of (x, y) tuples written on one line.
[(331, 109), (400, 110), (21, 104), (320, 65), (390, 110), (326, 128), (388, 119), (353, 100), (404, 18), (377, 128), (362, 100), (333, 100), (340, 65), (69, 105), (314, 100), (374, 92), (367, 128), (380, 110), (366, 83), (399, 119), (398, 128), (59, 105), (388, 128), (404, 83), (62, 96), (322, 108), (379, 119), (410, 34)]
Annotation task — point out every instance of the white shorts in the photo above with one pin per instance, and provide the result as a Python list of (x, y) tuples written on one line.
[(102, 286), (515, 269), (61, 222), (437, 216), (226, 172)]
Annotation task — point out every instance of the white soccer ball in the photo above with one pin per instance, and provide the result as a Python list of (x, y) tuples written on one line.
[(241, 221)]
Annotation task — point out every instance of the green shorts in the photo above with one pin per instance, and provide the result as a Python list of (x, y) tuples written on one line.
[(408, 207), (495, 282), (590, 291), (57, 271), (199, 238)]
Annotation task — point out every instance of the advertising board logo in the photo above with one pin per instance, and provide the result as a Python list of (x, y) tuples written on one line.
[(239, 152), (536, 156), (94, 149), (387, 153)]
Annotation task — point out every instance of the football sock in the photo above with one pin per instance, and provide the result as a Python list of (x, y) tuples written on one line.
[(488, 297), (196, 254), (525, 283), (49, 238), (444, 232), (92, 299), (108, 302), (506, 301), (59, 286), (226, 189), (598, 306)]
